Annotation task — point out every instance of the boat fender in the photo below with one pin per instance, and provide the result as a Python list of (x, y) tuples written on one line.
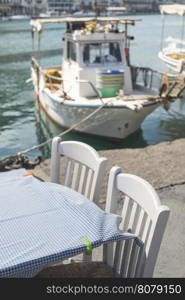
[(164, 86), (126, 52)]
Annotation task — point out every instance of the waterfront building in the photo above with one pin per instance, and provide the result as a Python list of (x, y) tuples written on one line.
[(35, 7), (59, 6), (136, 6), (22, 7)]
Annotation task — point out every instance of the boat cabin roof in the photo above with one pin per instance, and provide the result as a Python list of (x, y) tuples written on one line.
[(79, 23), (173, 9)]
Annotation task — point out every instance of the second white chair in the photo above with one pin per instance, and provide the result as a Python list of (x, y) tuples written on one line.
[(143, 215)]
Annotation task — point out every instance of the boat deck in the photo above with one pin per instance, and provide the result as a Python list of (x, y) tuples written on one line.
[(177, 56), (138, 98)]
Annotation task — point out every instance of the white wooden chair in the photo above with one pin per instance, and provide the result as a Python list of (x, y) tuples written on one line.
[(84, 169), (143, 215)]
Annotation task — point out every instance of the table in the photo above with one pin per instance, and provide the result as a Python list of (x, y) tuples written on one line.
[(42, 222)]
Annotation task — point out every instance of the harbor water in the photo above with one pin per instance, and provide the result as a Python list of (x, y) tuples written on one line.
[(23, 126)]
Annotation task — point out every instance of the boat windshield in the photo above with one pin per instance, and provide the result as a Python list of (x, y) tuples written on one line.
[(98, 53)]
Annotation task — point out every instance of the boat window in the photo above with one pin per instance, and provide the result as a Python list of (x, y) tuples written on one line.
[(71, 51), (101, 53)]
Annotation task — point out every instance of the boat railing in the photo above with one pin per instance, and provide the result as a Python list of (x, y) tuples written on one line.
[(146, 77), (59, 79)]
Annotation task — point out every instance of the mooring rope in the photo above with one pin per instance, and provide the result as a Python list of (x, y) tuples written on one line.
[(61, 134)]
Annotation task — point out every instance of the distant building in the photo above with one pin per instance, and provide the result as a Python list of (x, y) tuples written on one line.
[(82, 4), (35, 7), (22, 7), (145, 5), (59, 6)]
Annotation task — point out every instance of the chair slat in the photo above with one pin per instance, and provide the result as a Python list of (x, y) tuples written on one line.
[(68, 171), (82, 179), (144, 234), (125, 258), (136, 251), (75, 176), (126, 211), (118, 252), (108, 254), (88, 183), (133, 260), (135, 218)]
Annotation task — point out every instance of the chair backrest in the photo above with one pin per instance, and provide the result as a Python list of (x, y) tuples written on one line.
[(84, 169), (143, 215)]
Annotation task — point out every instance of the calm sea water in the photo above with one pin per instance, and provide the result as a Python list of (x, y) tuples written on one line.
[(21, 127)]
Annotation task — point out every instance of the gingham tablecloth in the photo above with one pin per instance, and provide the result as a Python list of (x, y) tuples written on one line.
[(41, 222)]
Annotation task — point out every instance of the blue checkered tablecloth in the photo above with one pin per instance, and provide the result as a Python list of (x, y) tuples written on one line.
[(41, 222)]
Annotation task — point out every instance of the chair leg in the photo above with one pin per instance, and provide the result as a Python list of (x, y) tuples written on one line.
[(55, 160), (87, 258)]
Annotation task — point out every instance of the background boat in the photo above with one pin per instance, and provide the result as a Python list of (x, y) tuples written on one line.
[(173, 55), (116, 11), (81, 14), (19, 17)]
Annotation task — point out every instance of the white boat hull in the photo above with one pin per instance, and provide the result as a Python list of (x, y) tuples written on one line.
[(109, 122)]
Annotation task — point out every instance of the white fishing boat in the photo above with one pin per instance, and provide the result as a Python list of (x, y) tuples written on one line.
[(19, 17), (95, 91), (174, 54), (4, 19), (116, 10), (84, 14)]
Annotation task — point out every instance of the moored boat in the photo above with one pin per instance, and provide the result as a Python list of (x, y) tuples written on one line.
[(96, 88)]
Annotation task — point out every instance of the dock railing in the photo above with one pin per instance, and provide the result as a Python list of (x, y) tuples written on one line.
[(146, 77)]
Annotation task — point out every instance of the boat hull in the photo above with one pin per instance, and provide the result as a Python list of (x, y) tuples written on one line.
[(173, 64), (109, 122)]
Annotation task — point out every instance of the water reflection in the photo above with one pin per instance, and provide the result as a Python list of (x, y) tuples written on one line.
[(164, 125), (46, 129), (26, 56)]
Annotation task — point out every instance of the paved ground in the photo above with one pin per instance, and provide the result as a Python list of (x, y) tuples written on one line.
[(163, 165), (171, 259)]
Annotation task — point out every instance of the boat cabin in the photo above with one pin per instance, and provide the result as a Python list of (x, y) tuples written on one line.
[(94, 59)]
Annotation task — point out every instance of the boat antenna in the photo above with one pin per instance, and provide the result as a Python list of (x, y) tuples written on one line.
[(162, 30), (182, 33), (96, 8)]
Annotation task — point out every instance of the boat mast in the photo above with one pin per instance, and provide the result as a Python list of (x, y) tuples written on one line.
[(96, 8), (182, 33), (162, 31)]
